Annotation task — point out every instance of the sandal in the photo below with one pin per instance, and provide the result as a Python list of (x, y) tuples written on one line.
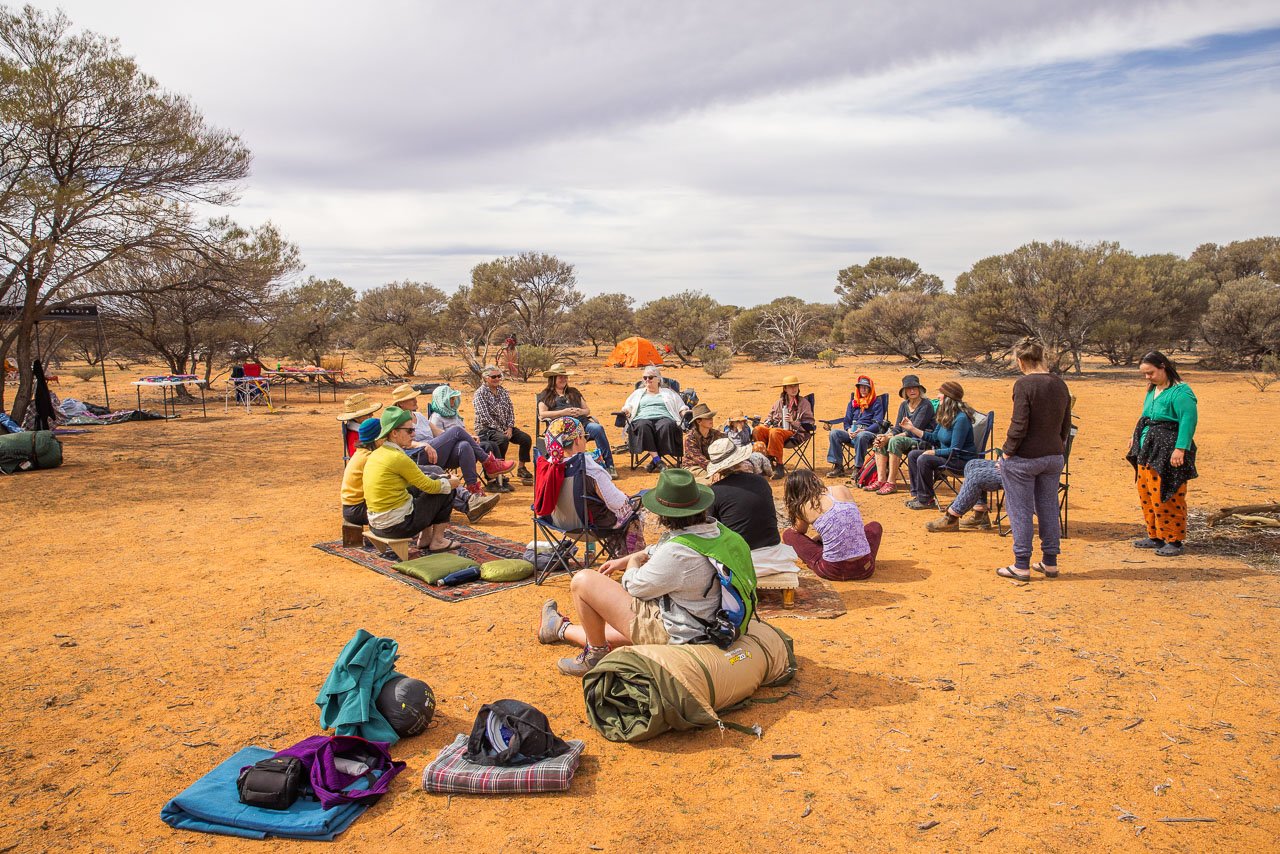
[(453, 546), (1012, 572), (1047, 571), (887, 488)]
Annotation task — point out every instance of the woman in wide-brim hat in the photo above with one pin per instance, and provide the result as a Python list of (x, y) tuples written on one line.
[(892, 446), (663, 597), (699, 439), (792, 415), (356, 407), (402, 500), (951, 445), (558, 399)]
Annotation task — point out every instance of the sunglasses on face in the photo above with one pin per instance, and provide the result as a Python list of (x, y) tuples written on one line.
[(493, 376)]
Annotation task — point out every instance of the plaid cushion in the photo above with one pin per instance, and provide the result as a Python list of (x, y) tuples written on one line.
[(452, 773)]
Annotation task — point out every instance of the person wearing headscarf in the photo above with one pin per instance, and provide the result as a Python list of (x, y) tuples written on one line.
[(863, 421)]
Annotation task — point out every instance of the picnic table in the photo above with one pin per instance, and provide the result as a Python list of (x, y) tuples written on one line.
[(168, 394), (306, 375)]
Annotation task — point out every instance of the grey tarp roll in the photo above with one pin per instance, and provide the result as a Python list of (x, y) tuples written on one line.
[(639, 692)]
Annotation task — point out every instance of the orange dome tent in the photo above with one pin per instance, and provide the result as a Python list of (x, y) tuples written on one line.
[(634, 352)]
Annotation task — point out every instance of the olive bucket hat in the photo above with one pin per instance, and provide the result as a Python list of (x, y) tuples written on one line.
[(678, 494)]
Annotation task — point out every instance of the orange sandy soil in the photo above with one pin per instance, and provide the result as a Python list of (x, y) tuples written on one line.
[(163, 608)]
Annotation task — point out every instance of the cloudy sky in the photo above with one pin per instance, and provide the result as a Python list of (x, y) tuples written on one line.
[(748, 149)]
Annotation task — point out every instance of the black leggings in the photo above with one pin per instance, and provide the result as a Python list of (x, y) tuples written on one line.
[(428, 509), (498, 442), (656, 436)]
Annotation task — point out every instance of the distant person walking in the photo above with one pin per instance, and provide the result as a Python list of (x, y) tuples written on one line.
[(1033, 459), (1163, 454)]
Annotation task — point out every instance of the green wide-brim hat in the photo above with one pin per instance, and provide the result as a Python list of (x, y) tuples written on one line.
[(393, 417), (678, 494)]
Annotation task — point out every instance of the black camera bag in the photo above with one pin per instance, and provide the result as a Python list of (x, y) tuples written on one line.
[(273, 783)]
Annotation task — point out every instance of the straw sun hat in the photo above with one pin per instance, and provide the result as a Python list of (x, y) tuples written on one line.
[(557, 370), (789, 379), (358, 405), (403, 392)]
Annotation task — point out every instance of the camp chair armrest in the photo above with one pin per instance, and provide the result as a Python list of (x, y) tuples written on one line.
[(830, 423)]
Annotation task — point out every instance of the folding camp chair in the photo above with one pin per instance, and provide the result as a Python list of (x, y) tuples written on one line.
[(570, 523), (983, 440), (847, 452), (1064, 492), (800, 446)]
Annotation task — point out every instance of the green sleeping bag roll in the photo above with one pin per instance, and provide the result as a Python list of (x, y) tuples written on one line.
[(38, 448)]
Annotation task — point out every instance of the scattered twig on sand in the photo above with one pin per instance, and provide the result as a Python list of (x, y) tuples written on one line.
[(1182, 820), (398, 826), (1063, 710), (1227, 512), (179, 705), (927, 825), (988, 831), (785, 756), (1132, 725), (199, 744), (1125, 815)]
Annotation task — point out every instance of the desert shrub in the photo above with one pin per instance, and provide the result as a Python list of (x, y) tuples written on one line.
[(86, 374), (1242, 325), (449, 373), (715, 360), (829, 356), (532, 359), (1269, 376)]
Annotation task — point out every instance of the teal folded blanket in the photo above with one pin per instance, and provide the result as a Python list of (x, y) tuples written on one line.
[(212, 805)]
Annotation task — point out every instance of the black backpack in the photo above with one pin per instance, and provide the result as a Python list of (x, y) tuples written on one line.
[(509, 732)]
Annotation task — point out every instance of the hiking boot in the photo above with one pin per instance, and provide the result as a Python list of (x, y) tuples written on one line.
[(918, 504), (526, 476), (1170, 549), (495, 466), (979, 521), (946, 522), (613, 472), (479, 505), (587, 659), (550, 624), (838, 472), (499, 484), (1149, 543), (778, 471), (653, 465)]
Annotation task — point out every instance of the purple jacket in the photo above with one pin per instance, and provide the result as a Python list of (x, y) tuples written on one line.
[(334, 762)]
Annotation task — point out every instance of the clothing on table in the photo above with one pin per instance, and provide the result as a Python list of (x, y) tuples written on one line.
[(744, 503), (682, 580), (980, 477), (1031, 489), (1166, 519), (1041, 420), (955, 441), (493, 410), (854, 569), (451, 773), (388, 475), (923, 468), (696, 445)]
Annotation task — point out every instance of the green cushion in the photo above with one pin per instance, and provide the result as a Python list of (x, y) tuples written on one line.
[(432, 568), (512, 569)]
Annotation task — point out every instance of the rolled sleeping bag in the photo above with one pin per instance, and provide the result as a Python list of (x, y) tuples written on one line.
[(639, 692), (34, 449), (407, 704)]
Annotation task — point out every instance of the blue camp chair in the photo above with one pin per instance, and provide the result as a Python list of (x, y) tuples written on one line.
[(570, 524)]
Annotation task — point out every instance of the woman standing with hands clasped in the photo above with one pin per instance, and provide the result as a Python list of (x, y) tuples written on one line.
[(1163, 454), (1033, 459)]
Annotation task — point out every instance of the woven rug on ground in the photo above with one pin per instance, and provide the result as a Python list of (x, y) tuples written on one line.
[(477, 545), (815, 599)]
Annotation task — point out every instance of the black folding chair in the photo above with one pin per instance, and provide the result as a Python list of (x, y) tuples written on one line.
[(570, 523), (1064, 493), (983, 440), (800, 445), (847, 452)]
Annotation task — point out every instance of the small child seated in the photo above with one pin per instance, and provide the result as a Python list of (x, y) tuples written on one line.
[(738, 430)]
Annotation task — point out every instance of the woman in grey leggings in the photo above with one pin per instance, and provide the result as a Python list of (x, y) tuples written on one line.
[(1033, 461)]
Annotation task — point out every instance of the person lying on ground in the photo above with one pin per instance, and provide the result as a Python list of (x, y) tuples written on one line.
[(844, 549), (654, 414), (744, 504), (863, 422), (668, 592), (791, 415), (560, 399), (402, 501), (892, 446), (952, 445), (496, 421)]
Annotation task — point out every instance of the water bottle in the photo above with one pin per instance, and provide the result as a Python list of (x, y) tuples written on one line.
[(591, 552)]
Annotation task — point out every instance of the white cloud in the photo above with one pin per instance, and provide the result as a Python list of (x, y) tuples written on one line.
[(746, 149)]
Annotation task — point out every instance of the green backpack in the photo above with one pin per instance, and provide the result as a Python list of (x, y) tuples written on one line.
[(736, 574)]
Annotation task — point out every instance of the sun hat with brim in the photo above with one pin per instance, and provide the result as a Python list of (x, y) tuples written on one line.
[(393, 417), (725, 454), (738, 415), (953, 390), (703, 411), (369, 430), (678, 494), (910, 381), (557, 370), (403, 392), (789, 379), (358, 405)]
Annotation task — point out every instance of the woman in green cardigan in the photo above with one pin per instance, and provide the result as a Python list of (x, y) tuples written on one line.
[(1163, 454)]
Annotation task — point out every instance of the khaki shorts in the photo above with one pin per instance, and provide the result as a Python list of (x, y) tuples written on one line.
[(899, 445), (646, 623)]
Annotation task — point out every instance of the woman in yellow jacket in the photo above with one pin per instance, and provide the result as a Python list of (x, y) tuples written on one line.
[(401, 500)]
